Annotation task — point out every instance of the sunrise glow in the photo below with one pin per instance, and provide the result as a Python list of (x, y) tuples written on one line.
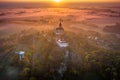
[(57, 0)]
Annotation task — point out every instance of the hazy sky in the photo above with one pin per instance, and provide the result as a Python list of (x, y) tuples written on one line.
[(62, 0)]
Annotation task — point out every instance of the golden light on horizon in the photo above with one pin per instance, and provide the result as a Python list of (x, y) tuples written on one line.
[(57, 0)]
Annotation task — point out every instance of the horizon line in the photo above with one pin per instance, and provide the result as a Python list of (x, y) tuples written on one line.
[(66, 1), (58, 3)]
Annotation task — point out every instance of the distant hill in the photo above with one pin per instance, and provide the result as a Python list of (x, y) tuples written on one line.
[(113, 29)]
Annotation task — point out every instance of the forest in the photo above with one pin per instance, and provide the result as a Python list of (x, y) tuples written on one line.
[(92, 56)]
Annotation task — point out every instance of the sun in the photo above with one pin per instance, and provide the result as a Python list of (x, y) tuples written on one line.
[(57, 0)]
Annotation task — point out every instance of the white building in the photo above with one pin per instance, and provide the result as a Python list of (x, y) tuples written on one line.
[(61, 43), (59, 30), (60, 38)]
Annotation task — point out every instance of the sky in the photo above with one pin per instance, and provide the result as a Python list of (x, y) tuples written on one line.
[(61, 0)]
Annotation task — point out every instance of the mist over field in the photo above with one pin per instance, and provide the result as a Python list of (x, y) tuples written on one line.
[(67, 41)]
